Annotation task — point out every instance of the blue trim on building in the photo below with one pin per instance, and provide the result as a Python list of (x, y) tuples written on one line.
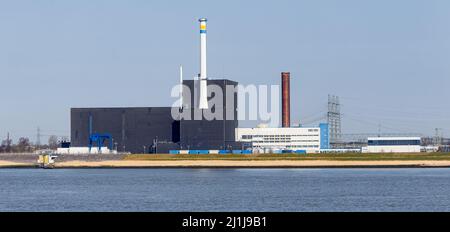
[(204, 152), (198, 152), (324, 136), (300, 151), (202, 31)]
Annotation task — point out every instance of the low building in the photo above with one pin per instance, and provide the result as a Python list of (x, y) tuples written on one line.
[(295, 139), (156, 130), (392, 145), (84, 150), (444, 148), (132, 129)]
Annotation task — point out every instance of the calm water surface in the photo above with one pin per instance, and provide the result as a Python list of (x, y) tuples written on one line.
[(225, 190)]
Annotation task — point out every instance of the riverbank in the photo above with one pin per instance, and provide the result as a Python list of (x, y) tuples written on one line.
[(300, 157), (249, 164), (350, 160), (234, 164), (12, 164)]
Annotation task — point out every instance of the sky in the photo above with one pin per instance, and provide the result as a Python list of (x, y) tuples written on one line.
[(388, 61)]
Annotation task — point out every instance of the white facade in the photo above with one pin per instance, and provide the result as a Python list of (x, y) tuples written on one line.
[(266, 140), (393, 145), (83, 150)]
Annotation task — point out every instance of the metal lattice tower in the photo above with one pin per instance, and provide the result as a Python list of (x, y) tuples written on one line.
[(334, 118), (438, 137), (38, 138)]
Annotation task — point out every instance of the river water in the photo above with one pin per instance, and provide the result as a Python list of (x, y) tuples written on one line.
[(417, 189)]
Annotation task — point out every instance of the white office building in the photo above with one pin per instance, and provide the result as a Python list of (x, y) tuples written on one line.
[(294, 139), (392, 145)]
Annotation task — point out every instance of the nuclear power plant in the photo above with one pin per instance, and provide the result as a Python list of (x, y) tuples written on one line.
[(156, 130)]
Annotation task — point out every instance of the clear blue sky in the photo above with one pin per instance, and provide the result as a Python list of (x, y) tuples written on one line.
[(389, 61)]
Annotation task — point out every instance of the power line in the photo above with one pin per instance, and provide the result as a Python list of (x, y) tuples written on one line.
[(378, 125)]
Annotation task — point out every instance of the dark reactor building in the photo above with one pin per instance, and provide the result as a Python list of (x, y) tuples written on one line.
[(154, 129)]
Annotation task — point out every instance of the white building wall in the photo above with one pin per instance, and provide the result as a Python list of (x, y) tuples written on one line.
[(270, 139), (392, 149), (395, 145), (83, 150)]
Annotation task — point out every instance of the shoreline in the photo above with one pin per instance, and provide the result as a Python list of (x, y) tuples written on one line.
[(230, 164), (12, 164)]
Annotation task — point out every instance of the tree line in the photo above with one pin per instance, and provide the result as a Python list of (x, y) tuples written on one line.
[(24, 145)]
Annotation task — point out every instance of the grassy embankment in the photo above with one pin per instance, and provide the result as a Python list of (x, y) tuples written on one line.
[(334, 157)]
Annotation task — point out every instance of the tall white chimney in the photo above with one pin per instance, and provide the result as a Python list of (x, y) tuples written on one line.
[(181, 87), (203, 98)]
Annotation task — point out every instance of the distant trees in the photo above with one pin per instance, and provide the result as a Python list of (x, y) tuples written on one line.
[(53, 142), (6, 145), (24, 145)]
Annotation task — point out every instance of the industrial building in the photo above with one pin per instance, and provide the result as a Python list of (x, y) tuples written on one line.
[(156, 130), (208, 133), (131, 129), (153, 129), (287, 139), (392, 144)]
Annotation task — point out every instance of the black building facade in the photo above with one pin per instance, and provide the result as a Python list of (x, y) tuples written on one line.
[(135, 129), (154, 129), (200, 132)]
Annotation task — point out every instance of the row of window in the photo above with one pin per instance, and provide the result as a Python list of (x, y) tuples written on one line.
[(304, 141), (294, 146), (393, 142), (299, 141), (305, 146), (287, 141), (275, 136)]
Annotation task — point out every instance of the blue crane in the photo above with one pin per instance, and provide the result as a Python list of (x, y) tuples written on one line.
[(100, 140)]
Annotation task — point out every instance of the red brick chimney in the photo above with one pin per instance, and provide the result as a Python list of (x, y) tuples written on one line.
[(286, 99)]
